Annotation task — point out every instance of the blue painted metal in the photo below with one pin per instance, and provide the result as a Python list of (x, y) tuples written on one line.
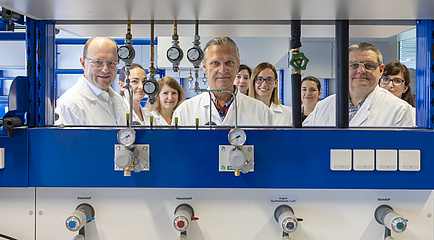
[(326, 87), (424, 74), (70, 71), (161, 72), (281, 86), (12, 36), (31, 55), (16, 171), (189, 159), (45, 94), (82, 41), (19, 99)]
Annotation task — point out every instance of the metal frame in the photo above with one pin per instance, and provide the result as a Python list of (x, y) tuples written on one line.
[(40, 38), (424, 74)]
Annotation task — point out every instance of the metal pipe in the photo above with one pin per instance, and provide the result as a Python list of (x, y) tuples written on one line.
[(342, 71), (296, 75)]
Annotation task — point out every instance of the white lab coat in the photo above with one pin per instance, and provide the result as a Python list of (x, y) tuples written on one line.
[(282, 115), (80, 106), (380, 109), (250, 112), (158, 119), (145, 114)]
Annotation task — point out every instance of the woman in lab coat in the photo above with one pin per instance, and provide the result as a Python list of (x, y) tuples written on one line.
[(242, 79), (396, 79), (263, 86), (310, 92), (168, 99), (137, 78)]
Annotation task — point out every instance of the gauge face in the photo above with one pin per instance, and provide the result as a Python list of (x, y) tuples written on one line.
[(237, 137), (193, 54), (173, 53), (123, 52), (149, 87), (126, 136)]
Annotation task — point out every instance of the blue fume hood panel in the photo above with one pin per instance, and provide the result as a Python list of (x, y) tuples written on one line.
[(16, 170), (288, 158)]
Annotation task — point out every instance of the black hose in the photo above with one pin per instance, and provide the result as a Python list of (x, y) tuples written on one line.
[(7, 237)]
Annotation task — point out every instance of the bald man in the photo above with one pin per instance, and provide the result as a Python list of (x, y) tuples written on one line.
[(92, 101)]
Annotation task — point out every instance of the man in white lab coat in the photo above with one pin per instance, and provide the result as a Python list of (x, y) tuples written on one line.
[(369, 105), (221, 62), (92, 101)]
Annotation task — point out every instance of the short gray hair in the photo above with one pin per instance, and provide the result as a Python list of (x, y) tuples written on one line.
[(365, 46), (221, 41)]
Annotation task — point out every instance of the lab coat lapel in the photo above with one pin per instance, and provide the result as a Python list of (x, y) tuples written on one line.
[(88, 93), (215, 116), (364, 111)]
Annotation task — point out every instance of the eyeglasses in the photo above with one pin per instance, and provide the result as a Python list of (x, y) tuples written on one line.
[(367, 65), (396, 81), (268, 80), (100, 64)]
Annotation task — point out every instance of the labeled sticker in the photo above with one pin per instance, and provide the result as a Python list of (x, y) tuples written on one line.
[(185, 198), (285, 199)]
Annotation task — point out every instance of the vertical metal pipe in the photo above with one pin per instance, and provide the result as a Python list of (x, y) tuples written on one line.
[(342, 84), (296, 76)]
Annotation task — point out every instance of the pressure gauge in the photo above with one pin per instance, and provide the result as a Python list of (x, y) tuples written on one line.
[(195, 55), (126, 136), (126, 52), (237, 137), (151, 87), (175, 54)]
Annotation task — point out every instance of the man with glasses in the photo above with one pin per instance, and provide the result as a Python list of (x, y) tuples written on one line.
[(220, 63), (92, 101), (369, 105)]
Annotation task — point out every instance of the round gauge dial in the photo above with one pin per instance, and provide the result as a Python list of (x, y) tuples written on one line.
[(123, 52), (126, 136), (237, 137), (194, 54), (150, 87), (174, 54)]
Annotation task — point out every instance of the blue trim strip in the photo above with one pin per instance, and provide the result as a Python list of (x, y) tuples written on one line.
[(281, 86), (82, 41), (12, 36), (326, 88), (70, 71)]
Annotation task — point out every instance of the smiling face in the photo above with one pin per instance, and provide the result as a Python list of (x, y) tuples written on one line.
[(137, 78), (362, 79), (264, 90), (395, 89), (168, 98), (242, 81), (221, 66), (100, 49), (309, 92)]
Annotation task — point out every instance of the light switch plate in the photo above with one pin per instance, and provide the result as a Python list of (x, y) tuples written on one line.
[(2, 158), (409, 160), (363, 159), (386, 159), (340, 159)]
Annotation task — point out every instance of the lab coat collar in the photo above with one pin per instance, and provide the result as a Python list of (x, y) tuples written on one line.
[(206, 100), (88, 88), (277, 108)]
